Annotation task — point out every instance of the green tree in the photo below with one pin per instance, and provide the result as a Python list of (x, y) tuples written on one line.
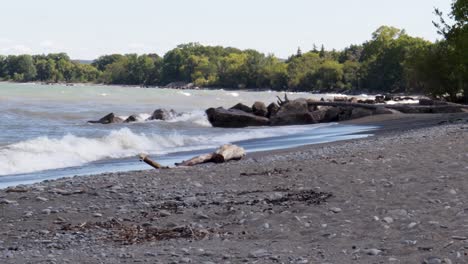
[(21, 68)]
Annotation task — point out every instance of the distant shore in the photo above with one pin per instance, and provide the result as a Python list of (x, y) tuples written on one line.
[(350, 93), (397, 197)]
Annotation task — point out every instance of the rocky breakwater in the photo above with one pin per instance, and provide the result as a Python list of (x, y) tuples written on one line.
[(290, 112), (308, 111)]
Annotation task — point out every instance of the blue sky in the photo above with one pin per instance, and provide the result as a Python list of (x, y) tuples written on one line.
[(86, 29)]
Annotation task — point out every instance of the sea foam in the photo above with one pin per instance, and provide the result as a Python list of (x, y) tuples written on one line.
[(44, 153)]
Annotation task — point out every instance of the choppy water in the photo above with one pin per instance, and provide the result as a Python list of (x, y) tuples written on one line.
[(44, 133)]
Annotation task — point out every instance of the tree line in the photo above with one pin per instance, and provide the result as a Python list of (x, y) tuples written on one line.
[(391, 61)]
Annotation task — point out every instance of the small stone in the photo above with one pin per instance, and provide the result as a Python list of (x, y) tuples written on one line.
[(372, 251), (164, 213), (28, 214), (46, 211), (447, 261), (412, 224), (41, 199), (459, 237), (185, 260), (266, 226), (388, 220), (44, 232), (259, 253), (6, 201), (432, 260), (335, 210), (97, 215), (452, 191), (201, 215), (125, 255)]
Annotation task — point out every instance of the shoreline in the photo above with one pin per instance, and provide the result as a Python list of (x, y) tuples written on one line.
[(335, 93), (397, 197)]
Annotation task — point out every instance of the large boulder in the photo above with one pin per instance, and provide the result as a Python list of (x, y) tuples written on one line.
[(162, 114), (272, 108), (311, 105), (260, 109), (295, 112), (108, 119), (358, 112), (242, 107), (131, 119), (234, 118)]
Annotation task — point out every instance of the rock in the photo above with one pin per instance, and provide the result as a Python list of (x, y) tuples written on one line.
[(295, 112), (372, 251), (97, 215), (220, 117), (6, 201), (260, 253), (272, 108), (201, 215), (242, 107), (358, 112), (108, 119), (398, 213), (412, 224), (164, 213), (162, 114), (259, 109), (130, 119), (424, 101), (46, 211), (335, 210), (331, 114), (41, 199), (312, 107), (432, 260), (185, 260), (388, 220)]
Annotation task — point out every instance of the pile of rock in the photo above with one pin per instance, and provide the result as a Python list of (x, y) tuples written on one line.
[(158, 114), (294, 112), (307, 111)]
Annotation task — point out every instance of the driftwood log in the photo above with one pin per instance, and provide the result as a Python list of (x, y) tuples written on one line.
[(228, 152), (197, 160), (223, 154), (147, 160)]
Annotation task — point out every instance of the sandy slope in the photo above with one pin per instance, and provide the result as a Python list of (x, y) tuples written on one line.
[(399, 197)]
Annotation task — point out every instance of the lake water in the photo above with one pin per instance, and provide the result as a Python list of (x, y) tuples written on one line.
[(44, 132)]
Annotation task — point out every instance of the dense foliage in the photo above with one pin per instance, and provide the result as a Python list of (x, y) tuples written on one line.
[(391, 61)]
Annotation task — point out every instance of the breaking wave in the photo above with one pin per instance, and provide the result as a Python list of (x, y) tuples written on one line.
[(44, 153)]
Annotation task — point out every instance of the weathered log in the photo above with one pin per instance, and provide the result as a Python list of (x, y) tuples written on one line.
[(367, 106), (281, 102), (196, 160), (223, 154), (154, 164), (228, 152)]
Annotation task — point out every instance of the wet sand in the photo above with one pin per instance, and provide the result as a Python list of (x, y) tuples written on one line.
[(397, 197)]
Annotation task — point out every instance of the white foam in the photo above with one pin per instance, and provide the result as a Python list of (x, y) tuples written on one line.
[(184, 93), (45, 153), (196, 117)]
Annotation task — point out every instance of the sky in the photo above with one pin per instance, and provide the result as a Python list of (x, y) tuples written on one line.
[(86, 29)]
